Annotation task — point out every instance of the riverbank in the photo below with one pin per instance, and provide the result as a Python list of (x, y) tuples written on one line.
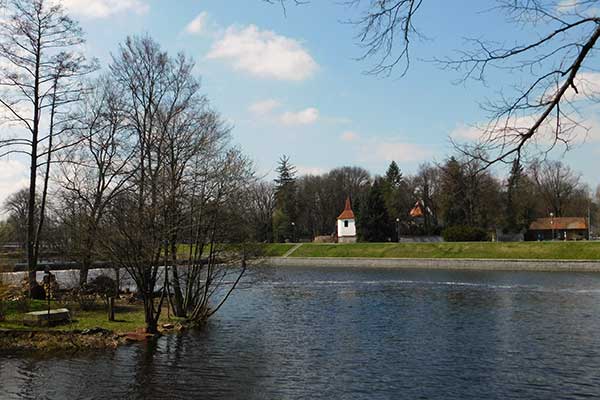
[(437, 263), (48, 341), (87, 331), (557, 251)]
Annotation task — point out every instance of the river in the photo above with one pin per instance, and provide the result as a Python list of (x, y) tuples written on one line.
[(357, 333)]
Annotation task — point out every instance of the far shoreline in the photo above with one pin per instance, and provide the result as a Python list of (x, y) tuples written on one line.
[(472, 264)]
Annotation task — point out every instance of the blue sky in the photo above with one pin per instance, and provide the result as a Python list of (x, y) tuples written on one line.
[(292, 84)]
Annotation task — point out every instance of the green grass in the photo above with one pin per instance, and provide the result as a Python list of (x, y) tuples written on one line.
[(276, 249), (128, 317), (267, 250), (481, 250)]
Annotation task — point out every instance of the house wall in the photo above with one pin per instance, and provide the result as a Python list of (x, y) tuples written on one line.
[(559, 234), (346, 231)]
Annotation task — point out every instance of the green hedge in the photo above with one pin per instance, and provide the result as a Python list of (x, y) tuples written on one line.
[(464, 234)]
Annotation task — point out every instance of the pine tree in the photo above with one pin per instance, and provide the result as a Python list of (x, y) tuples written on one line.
[(393, 176), (516, 173), (454, 191), (285, 196), (520, 200), (374, 224), (396, 194)]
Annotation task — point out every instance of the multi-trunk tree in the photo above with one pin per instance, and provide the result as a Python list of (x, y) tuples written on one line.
[(179, 225)]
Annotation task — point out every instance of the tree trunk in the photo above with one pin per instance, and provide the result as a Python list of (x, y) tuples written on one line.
[(150, 318), (31, 253), (84, 270), (177, 300)]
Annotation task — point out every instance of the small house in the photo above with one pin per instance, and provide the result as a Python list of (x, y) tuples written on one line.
[(558, 228), (346, 225)]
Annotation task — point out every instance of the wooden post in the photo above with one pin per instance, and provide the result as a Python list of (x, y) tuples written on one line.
[(111, 308)]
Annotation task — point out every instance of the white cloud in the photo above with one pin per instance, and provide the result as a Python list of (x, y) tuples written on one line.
[(264, 107), (349, 136), (588, 88), (304, 117), (13, 176), (198, 24), (566, 5), (576, 133), (466, 132), (399, 151), (587, 84), (264, 54), (578, 7), (105, 8), (305, 170)]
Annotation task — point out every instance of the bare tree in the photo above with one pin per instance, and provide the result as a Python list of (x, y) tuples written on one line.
[(96, 169), (220, 235), (426, 185), (538, 114), (16, 207), (185, 177), (544, 110), (262, 204), (556, 184), (148, 78), (39, 69)]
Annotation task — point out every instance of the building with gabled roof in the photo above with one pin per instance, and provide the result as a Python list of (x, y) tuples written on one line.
[(558, 228), (346, 224)]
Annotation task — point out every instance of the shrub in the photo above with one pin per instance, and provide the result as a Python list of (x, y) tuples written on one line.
[(85, 299), (464, 234), (103, 286), (38, 292)]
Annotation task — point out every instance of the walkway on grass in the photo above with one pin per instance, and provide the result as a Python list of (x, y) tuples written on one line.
[(292, 250)]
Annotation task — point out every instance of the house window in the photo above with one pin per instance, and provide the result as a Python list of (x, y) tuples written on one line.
[(345, 224)]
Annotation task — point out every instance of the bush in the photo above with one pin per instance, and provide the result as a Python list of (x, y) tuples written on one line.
[(38, 292), (103, 286), (85, 299), (464, 234)]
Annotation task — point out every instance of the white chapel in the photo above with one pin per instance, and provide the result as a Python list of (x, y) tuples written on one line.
[(346, 225)]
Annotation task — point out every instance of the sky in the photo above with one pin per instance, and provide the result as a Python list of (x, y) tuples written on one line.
[(291, 83)]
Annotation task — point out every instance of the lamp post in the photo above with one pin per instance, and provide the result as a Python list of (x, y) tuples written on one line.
[(552, 224), (398, 230), (293, 232)]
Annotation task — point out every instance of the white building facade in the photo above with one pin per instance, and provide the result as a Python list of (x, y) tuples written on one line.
[(346, 225)]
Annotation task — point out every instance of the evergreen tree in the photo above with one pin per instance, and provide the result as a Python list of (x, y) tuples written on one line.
[(516, 174), (397, 195), (286, 200), (374, 224), (453, 193), (520, 200), (393, 176)]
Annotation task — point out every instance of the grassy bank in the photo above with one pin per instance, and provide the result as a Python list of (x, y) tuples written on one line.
[(479, 250), (266, 250), (128, 317), (88, 330)]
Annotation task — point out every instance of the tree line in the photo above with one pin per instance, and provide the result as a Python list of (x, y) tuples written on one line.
[(454, 193)]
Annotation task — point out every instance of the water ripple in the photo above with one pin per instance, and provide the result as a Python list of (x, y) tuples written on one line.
[(356, 334)]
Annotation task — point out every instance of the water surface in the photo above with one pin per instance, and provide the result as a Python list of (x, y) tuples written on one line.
[(355, 334)]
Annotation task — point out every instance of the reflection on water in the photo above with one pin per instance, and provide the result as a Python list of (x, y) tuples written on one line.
[(355, 334)]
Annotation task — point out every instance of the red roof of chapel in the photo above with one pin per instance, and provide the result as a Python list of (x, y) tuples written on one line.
[(347, 213)]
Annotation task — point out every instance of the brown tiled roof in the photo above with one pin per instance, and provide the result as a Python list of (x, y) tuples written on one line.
[(347, 213), (564, 223), (417, 211)]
